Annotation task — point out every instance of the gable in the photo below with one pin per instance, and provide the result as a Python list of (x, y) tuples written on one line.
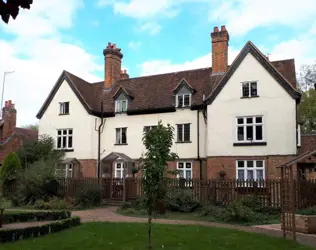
[(250, 49), (63, 79), (121, 97)]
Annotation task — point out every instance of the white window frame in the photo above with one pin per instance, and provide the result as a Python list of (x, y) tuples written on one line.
[(119, 106), (249, 89), (299, 139), (183, 132), (120, 142), (183, 105), (62, 108), (253, 124), (245, 168), (121, 169), (67, 135), (185, 168), (69, 170)]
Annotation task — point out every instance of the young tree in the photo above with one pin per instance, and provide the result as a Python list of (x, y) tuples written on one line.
[(11, 165), (307, 111), (158, 142), (11, 8)]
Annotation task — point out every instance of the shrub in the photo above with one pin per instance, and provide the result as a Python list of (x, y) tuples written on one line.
[(24, 216), (129, 211), (11, 165), (88, 197), (307, 211), (253, 203), (237, 212), (211, 210), (139, 204), (126, 205), (53, 203), (9, 235), (182, 202)]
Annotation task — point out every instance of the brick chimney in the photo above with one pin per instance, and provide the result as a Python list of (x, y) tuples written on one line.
[(9, 118), (112, 68), (220, 41), (124, 74)]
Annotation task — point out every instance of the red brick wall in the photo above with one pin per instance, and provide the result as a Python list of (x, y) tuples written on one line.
[(9, 117), (308, 143), (88, 168), (11, 146), (112, 67), (228, 164), (219, 50)]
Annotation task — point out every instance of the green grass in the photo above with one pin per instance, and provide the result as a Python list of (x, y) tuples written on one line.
[(132, 236)]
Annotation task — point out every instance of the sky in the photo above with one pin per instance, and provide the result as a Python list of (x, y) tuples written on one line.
[(155, 37)]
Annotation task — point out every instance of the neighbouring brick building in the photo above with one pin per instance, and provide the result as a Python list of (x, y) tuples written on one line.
[(240, 119), (12, 137)]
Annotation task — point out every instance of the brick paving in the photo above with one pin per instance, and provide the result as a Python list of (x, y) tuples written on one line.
[(109, 214)]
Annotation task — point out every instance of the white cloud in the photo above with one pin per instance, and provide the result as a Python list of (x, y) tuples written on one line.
[(134, 45), (151, 27), (241, 16), (38, 59)]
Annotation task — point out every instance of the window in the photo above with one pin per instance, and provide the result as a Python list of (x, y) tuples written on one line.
[(121, 137), (148, 128), (183, 100), (64, 108), (250, 129), (185, 170), (64, 170), (183, 132), (250, 170), (64, 139), (119, 170), (299, 135), (121, 106), (249, 89)]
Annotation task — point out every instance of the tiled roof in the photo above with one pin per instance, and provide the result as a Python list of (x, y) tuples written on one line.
[(27, 133), (153, 92)]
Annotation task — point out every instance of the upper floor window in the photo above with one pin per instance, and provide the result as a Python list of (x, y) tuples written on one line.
[(64, 108), (121, 136), (120, 106), (249, 89), (183, 134), (64, 138), (183, 100), (250, 170), (148, 128), (250, 129)]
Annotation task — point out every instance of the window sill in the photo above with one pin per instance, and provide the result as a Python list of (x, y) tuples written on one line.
[(249, 97), (236, 144), (64, 114), (186, 107), (183, 142), (66, 150), (120, 144)]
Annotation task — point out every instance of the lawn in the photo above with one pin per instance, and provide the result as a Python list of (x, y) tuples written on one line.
[(129, 236)]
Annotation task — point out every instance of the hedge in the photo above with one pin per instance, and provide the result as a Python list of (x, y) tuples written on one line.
[(24, 216), (10, 235)]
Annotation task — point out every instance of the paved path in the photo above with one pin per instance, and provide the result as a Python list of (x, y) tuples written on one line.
[(109, 214)]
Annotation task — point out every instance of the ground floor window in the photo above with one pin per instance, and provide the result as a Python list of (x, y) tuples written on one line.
[(119, 170), (184, 170), (250, 170), (64, 170)]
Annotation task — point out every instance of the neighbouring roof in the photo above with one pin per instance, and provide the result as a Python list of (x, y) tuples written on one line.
[(115, 156), (155, 93), (308, 143)]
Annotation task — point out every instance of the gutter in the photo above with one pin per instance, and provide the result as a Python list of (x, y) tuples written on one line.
[(198, 143)]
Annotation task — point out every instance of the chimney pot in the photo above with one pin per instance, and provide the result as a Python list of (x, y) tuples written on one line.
[(112, 67), (216, 29), (223, 28), (114, 46), (6, 103)]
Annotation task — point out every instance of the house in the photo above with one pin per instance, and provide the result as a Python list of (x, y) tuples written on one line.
[(238, 119), (12, 137)]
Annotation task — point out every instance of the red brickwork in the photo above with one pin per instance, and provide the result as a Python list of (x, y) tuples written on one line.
[(219, 50), (112, 67)]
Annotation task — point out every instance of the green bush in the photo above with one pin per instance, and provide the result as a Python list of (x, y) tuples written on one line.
[(126, 205), (24, 216), (237, 212), (182, 201), (211, 210), (253, 203), (139, 204), (88, 197), (9, 235), (53, 203), (11, 165), (307, 211)]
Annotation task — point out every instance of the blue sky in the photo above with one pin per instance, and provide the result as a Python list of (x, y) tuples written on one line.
[(155, 37)]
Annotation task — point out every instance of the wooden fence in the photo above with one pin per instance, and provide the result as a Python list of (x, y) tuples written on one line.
[(215, 191)]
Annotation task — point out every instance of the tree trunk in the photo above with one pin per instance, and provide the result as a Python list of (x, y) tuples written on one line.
[(149, 229), (1, 217)]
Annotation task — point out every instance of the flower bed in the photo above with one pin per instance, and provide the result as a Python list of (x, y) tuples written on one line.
[(26, 216), (10, 235)]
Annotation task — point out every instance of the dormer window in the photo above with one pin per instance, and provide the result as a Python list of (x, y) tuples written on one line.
[(120, 106), (64, 108), (249, 89), (183, 100)]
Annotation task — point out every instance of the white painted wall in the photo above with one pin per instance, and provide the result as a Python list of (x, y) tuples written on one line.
[(84, 134), (275, 104), (135, 124)]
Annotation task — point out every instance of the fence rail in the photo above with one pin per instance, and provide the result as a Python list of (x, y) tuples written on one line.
[(216, 191)]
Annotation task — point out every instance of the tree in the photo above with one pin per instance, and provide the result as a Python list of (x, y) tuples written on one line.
[(307, 77), (43, 149), (31, 126), (307, 111), (11, 8), (11, 165), (158, 142)]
